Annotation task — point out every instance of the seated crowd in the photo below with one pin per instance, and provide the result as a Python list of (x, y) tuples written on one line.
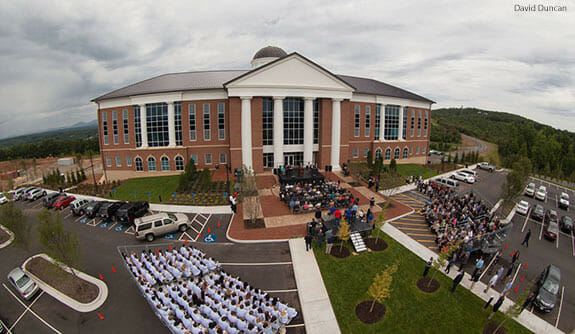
[(456, 218), (191, 294), (306, 197)]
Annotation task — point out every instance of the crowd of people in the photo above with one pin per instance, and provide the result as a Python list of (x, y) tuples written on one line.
[(306, 197), (191, 294)]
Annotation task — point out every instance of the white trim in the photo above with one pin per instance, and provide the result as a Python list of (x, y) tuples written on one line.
[(184, 96), (368, 98)]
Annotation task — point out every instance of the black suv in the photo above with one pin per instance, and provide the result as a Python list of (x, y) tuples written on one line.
[(130, 211), (548, 288), (108, 209), (52, 199), (91, 210)]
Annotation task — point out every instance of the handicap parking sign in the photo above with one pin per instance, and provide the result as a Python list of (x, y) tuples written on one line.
[(170, 236), (104, 225), (119, 228), (83, 220), (209, 238)]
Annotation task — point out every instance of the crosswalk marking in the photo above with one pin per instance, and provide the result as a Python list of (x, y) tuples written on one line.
[(414, 224), (412, 228), (419, 234)]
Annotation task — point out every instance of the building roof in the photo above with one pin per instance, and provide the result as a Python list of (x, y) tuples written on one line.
[(370, 86), (270, 51)]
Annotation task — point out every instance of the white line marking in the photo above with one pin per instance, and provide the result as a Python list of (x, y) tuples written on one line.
[(68, 215), (541, 231), (557, 240), (26, 310), (296, 325), (556, 201), (573, 241), (280, 291), (31, 311), (517, 272), (560, 305), (78, 219), (109, 228), (484, 271), (526, 219), (255, 264)]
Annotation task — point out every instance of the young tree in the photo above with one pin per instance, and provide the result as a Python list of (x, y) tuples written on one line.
[(249, 182), (380, 220), (393, 166), (60, 244), (343, 233), (455, 159), (13, 218), (514, 310), (380, 289), (438, 263), (369, 159)]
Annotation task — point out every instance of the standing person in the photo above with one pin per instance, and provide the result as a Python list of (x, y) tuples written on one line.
[(377, 186), (457, 280), (475, 279), (337, 215), (233, 203), (510, 270), (464, 260), (329, 241), (371, 203), (515, 257), (318, 214), (319, 241), (497, 305), (451, 262), (488, 302), (528, 300), (308, 240), (427, 266), (491, 283), (478, 266), (497, 257), (526, 239), (508, 287)]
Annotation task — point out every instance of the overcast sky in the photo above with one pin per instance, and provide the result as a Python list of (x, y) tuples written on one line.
[(56, 56)]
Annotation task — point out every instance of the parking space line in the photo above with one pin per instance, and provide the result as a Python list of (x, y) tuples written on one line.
[(26, 310), (281, 291), (412, 228), (573, 241), (68, 215), (78, 219), (31, 311), (526, 219), (402, 223), (541, 231), (111, 227), (255, 263), (560, 305), (517, 272), (556, 201), (422, 235), (557, 240), (428, 241)]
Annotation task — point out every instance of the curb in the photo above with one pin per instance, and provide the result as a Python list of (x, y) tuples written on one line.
[(250, 241), (68, 301), (10, 233)]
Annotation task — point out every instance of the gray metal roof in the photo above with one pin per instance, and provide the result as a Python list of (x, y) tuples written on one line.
[(270, 51), (215, 80)]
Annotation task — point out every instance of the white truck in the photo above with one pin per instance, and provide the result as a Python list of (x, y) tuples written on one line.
[(486, 166)]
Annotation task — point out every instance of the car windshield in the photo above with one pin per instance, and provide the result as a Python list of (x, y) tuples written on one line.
[(22, 281), (552, 228), (551, 286), (565, 196), (531, 186), (172, 217), (539, 209)]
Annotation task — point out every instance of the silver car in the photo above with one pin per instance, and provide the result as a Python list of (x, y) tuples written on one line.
[(25, 286), (150, 227)]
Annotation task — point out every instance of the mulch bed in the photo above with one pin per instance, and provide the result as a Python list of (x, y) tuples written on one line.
[(63, 281), (424, 284), (4, 236), (379, 246), (491, 327), (259, 223), (339, 252), (363, 314)]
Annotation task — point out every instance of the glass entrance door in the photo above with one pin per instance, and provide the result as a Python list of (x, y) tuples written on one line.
[(293, 158)]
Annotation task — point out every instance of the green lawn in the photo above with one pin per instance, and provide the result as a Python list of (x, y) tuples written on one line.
[(411, 169), (159, 185), (409, 310)]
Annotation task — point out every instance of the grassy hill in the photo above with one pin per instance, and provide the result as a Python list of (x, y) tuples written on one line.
[(73, 133)]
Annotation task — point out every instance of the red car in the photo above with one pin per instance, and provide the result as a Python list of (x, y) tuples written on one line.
[(62, 203)]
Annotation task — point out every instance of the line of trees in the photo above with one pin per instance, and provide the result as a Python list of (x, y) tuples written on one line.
[(50, 147)]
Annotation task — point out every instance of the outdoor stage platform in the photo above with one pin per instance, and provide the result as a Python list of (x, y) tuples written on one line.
[(300, 175), (356, 225)]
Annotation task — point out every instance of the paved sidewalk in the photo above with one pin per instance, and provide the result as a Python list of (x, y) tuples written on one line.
[(318, 314), (526, 318)]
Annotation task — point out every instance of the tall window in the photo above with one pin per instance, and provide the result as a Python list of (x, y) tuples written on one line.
[(125, 125), (268, 160), (192, 116), (151, 164), (223, 159), (221, 122), (419, 124), (195, 158), (365, 152), (157, 124), (118, 162), (178, 122), (207, 135), (108, 162), (139, 165), (412, 122), (165, 163), (404, 133), (377, 121), (425, 125), (416, 149), (293, 121), (179, 163), (115, 125), (388, 154), (128, 161), (316, 121), (356, 152), (208, 158), (267, 121), (105, 126), (396, 153), (378, 153), (367, 120), (405, 152), (356, 121), (391, 130), (138, 126)]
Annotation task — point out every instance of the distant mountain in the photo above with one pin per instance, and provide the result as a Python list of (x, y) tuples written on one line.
[(81, 130)]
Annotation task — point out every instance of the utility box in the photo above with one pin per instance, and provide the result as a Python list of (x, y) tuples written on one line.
[(66, 162)]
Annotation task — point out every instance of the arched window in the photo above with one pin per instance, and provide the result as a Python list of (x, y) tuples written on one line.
[(179, 163), (405, 152), (165, 163), (396, 153), (151, 164), (388, 154), (139, 164), (378, 153)]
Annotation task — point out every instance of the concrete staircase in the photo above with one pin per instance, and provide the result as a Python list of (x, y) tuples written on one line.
[(357, 242)]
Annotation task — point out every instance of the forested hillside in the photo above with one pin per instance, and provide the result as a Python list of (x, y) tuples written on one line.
[(551, 151), (73, 133)]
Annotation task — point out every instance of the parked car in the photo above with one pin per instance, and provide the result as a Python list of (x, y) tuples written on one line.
[(470, 172), (486, 166), (52, 198), (36, 194), (18, 193), (551, 231), (538, 213), (541, 193), (25, 285), (463, 177), (447, 182), (566, 224), (551, 215), (548, 288), (128, 212), (530, 190), (522, 208), (564, 201), (78, 205), (3, 199), (108, 209), (63, 202), (150, 227), (27, 195), (91, 210)]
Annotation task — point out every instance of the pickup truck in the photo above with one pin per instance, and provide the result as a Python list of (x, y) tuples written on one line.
[(486, 166)]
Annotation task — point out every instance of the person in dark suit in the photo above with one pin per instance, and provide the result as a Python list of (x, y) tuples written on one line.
[(457, 280), (308, 239), (427, 266)]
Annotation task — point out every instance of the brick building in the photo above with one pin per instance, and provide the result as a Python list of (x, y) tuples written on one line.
[(286, 110)]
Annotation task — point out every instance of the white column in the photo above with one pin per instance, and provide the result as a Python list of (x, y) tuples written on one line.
[(171, 125), (335, 132), (308, 130), (247, 131), (382, 127), (143, 125), (400, 123), (278, 131)]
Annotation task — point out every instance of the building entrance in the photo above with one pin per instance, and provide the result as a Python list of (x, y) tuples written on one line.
[(293, 159)]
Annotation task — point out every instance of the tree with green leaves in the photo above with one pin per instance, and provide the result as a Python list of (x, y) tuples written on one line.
[(343, 233), (60, 244), (455, 159), (13, 218), (380, 289), (393, 166), (369, 159), (438, 263), (379, 221), (442, 162)]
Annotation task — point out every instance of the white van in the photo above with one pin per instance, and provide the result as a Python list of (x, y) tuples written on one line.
[(450, 183)]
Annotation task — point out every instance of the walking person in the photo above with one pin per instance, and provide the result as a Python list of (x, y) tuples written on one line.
[(475, 279), (371, 203), (496, 306), (329, 241), (427, 266), (478, 266), (528, 300), (496, 260), (508, 287), (510, 271), (308, 240), (319, 241), (451, 262), (488, 302), (457, 280), (491, 283), (526, 239)]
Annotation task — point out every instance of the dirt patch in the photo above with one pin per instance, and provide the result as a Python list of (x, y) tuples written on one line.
[(63, 281), (362, 312), (428, 284), (258, 223), (376, 244), (491, 327), (4, 236), (339, 252), (355, 184)]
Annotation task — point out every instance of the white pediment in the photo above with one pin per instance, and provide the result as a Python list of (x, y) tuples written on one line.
[(292, 72)]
